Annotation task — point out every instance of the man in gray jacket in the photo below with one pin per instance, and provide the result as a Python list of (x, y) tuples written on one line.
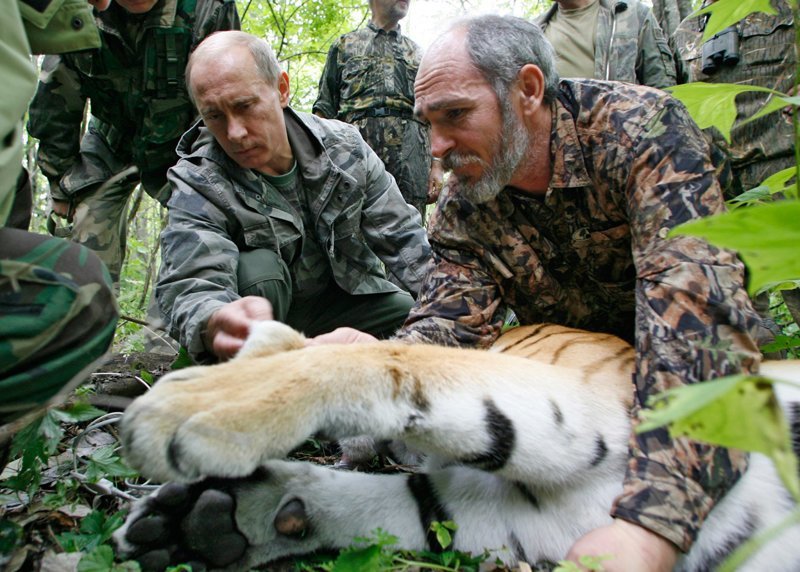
[(616, 40), (277, 214)]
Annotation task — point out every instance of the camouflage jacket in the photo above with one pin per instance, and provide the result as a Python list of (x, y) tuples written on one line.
[(628, 164), (217, 209), (135, 82), (368, 81), (38, 27), (767, 59), (629, 45)]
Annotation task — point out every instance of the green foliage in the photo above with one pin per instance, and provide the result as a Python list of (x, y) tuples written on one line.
[(779, 183), (101, 559), (376, 554), (105, 463), (766, 238), (738, 411), (443, 532), (300, 32), (96, 528), (38, 441), (713, 104), (726, 13)]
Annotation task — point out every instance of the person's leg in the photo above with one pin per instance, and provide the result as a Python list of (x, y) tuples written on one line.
[(377, 314), (263, 273), (20, 215), (59, 316), (100, 224)]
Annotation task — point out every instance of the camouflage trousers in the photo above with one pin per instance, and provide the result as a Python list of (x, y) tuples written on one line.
[(262, 273), (58, 318), (404, 147), (99, 223)]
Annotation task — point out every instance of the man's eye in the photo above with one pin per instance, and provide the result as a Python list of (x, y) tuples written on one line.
[(212, 116), (453, 114)]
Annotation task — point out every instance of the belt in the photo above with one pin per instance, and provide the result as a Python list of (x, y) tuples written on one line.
[(379, 112)]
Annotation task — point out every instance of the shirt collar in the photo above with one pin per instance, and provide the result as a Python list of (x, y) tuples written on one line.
[(569, 166), (396, 30)]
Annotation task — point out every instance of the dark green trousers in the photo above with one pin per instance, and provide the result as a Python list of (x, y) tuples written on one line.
[(263, 273)]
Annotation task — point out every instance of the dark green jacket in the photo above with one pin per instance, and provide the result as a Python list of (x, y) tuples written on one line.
[(139, 103)]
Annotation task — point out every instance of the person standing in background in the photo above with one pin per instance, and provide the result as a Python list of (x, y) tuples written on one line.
[(625, 42), (368, 81)]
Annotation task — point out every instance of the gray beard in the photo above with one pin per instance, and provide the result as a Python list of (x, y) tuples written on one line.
[(511, 150)]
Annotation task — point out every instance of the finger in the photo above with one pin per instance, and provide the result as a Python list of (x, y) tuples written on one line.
[(225, 345), (257, 308)]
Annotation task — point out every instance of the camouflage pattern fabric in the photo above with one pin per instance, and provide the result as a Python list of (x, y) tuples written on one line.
[(765, 146), (368, 81), (59, 316), (139, 105), (629, 44), (628, 165), (218, 209)]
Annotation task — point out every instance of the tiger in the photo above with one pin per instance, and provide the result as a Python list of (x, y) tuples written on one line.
[(525, 447)]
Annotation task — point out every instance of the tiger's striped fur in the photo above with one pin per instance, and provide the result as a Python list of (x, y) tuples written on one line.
[(525, 445)]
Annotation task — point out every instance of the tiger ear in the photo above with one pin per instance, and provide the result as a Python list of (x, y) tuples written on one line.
[(270, 337)]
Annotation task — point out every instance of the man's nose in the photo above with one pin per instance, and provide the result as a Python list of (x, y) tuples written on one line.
[(441, 142), (236, 129)]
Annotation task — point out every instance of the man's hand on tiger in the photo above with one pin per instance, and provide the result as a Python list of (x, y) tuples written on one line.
[(229, 326), (631, 548)]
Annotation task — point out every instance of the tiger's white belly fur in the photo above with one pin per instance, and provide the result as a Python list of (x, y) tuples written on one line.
[(524, 455)]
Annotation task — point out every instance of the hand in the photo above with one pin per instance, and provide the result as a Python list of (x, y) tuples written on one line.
[(228, 327), (633, 548), (435, 181), (62, 208), (342, 336)]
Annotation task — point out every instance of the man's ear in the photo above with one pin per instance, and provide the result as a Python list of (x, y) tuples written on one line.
[(531, 87), (284, 88)]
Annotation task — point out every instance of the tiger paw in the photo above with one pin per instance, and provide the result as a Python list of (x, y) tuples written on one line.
[(183, 524), (225, 524)]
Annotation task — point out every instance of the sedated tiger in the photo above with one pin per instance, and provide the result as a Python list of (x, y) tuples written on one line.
[(525, 448)]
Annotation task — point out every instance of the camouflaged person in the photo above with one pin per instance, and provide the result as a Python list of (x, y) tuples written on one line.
[(625, 43), (278, 214), (140, 108), (764, 57), (560, 200), (762, 54), (368, 81), (58, 310)]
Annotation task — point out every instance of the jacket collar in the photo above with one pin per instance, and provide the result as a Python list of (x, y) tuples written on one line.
[(568, 164), (162, 15)]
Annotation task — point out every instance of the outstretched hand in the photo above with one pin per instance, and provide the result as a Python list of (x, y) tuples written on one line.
[(228, 327), (631, 547)]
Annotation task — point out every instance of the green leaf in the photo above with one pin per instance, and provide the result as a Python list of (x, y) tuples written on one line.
[(11, 536), (739, 411), (714, 104), (724, 13), (765, 236), (78, 413), (104, 462), (359, 560), (101, 559), (776, 183), (182, 360), (780, 343)]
